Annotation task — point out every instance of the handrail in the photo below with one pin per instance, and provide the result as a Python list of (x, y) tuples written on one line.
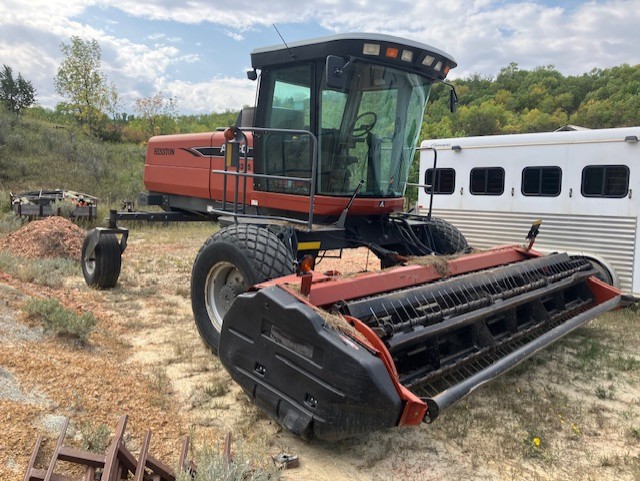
[(245, 174)]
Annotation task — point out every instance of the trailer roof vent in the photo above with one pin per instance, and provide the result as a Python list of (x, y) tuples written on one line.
[(457, 148), (632, 139)]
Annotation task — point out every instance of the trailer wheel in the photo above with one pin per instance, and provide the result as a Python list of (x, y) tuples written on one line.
[(101, 268), (447, 238), (229, 262)]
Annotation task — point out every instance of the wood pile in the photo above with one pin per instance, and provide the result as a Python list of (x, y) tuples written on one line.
[(50, 237)]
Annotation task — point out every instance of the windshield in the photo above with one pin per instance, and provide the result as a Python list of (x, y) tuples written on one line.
[(369, 131), (366, 131)]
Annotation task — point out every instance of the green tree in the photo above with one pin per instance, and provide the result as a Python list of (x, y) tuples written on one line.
[(81, 82), (488, 118), (15, 93), (156, 114)]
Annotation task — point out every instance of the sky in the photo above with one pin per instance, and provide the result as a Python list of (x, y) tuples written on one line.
[(198, 51)]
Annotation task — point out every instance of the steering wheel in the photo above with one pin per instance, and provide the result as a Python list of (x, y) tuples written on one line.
[(364, 128)]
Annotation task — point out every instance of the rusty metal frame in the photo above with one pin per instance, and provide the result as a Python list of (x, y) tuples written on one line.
[(116, 464)]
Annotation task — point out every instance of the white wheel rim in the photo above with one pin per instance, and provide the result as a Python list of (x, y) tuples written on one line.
[(224, 282)]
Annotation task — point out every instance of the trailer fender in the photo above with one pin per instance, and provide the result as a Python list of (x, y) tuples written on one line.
[(606, 272), (94, 234)]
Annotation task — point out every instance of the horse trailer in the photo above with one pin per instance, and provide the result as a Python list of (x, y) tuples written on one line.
[(579, 183)]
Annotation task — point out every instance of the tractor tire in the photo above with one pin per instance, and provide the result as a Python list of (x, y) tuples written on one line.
[(447, 238), (229, 262), (101, 268)]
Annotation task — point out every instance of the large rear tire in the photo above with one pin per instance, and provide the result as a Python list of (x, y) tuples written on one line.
[(446, 237), (229, 262), (101, 268)]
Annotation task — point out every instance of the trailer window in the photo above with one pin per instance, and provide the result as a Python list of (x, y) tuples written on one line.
[(445, 181), (605, 181), (541, 181), (487, 181)]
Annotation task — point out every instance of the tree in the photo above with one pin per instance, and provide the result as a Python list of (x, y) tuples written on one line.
[(157, 114), (15, 94), (80, 80)]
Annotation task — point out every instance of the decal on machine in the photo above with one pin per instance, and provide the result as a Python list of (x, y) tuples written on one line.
[(164, 151)]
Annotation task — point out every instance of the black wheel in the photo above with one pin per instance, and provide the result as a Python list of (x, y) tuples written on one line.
[(101, 268), (446, 237), (229, 262)]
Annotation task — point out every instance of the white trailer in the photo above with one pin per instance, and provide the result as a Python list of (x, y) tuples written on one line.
[(579, 183)]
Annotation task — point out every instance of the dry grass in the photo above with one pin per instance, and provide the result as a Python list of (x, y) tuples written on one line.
[(546, 419), (571, 412)]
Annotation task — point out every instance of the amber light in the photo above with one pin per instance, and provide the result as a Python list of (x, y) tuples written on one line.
[(307, 264), (392, 52), (230, 134)]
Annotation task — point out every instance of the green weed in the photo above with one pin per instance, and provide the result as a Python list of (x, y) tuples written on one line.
[(533, 445), (62, 321), (218, 388), (63, 207), (94, 439), (212, 466), (47, 271), (160, 383), (605, 393)]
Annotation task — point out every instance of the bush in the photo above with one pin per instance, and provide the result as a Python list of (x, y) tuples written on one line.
[(94, 439), (5, 201), (63, 207), (213, 467), (60, 320)]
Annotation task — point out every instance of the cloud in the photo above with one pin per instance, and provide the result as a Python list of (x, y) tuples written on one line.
[(483, 36), (234, 35), (214, 95)]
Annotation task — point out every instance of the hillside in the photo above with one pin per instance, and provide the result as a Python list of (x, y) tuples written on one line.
[(38, 154)]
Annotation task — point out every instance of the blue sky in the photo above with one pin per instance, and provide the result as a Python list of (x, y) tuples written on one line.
[(197, 51)]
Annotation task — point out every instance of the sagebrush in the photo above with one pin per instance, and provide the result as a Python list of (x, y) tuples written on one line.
[(60, 320)]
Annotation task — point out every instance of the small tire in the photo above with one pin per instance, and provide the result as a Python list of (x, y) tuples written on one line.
[(229, 262), (101, 268), (447, 238)]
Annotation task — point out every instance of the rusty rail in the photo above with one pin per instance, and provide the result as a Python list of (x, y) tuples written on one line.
[(118, 462)]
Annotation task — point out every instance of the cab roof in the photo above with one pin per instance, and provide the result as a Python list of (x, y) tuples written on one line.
[(409, 55)]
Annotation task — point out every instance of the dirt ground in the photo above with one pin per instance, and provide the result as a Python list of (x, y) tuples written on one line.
[(571, 412)]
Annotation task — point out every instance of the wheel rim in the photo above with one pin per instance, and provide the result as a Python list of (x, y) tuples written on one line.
[(90, 263), (224, 283)]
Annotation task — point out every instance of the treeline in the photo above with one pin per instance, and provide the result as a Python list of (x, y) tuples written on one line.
[(538, 100), (131, 128)]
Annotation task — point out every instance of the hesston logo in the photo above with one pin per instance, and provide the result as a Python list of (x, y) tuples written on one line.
[(163, 151)]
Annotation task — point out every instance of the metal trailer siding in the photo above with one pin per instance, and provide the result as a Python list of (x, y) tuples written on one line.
[(607, 227)]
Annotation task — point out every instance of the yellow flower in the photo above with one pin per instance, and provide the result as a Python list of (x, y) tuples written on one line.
[(536, 442)]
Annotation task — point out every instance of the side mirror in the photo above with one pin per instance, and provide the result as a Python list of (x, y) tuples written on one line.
[(453, 99), (335, 67), (247, 115)]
